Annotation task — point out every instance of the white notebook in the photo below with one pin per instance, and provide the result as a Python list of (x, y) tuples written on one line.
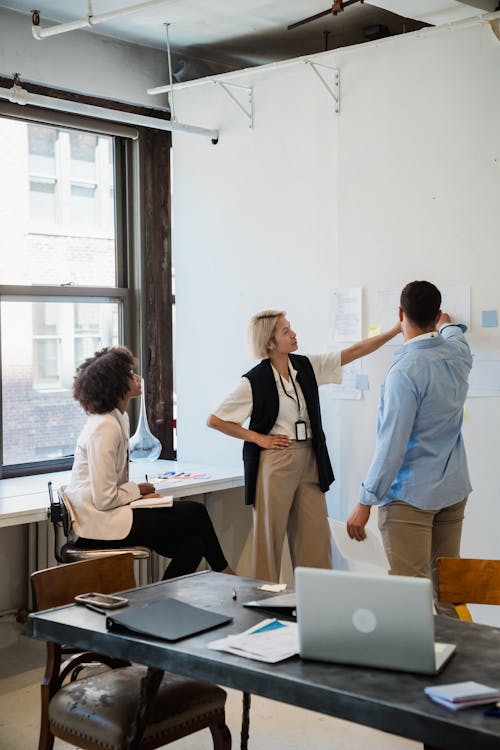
[(162, 501), (458, 695)]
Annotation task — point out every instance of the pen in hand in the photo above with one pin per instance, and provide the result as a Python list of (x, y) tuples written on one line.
[(146, 478), (235, 595)]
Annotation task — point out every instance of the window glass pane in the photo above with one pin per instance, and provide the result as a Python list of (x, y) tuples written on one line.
[(45, 317), (42, 149), (83, 156), (43, 200), (46, 365), (58, 184), (83, 205), (42, 344)]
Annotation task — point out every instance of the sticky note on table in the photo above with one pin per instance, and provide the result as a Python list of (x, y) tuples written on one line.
[(490, 318), (362, 382)]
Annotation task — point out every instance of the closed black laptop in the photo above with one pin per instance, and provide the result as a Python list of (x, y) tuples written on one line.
[(168, 619)]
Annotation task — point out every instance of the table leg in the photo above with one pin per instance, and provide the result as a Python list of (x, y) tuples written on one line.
[(245, 721), (149, 687)]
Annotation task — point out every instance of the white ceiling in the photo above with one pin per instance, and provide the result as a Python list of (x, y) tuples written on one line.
[(236, 33)]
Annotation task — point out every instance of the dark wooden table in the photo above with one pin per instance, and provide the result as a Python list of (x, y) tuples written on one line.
[(390, 701)]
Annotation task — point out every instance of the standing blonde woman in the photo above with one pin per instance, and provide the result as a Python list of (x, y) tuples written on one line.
[(287, 467)]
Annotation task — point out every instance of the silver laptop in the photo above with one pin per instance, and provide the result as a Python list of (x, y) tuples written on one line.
[(375, 621)]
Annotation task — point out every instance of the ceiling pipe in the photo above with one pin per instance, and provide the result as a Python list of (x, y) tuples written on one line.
[(18, 95), (88, 22)]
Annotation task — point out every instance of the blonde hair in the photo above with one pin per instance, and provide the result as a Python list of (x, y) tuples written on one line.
[(261, 330)]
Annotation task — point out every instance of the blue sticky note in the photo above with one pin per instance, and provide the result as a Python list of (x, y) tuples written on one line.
[(490, 318), (362, 382)]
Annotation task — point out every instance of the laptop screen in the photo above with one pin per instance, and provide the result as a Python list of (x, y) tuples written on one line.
[(378, 621)]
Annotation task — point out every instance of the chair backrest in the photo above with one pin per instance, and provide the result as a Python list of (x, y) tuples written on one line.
[(59, 517), (68, 551), (57, 586), (468, 581)]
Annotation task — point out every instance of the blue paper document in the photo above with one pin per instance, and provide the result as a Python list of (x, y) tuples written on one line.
[(270, 641)]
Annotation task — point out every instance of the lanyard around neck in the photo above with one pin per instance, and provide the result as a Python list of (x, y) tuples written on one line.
[(294, 388)]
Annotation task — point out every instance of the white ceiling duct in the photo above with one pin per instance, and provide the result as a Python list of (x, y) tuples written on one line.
[(436, 12)]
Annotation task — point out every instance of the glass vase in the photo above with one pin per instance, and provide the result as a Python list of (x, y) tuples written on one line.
[(144, 446)]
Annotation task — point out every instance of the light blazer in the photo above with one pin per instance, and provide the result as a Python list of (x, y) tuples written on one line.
[(99, 492)]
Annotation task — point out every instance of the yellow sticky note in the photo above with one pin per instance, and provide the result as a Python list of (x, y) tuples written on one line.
[(374, 331)]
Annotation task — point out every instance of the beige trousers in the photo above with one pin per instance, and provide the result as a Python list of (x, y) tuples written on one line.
[(415, 538), (289, 500)]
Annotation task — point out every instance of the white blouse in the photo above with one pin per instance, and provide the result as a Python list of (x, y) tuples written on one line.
[(238, 405)]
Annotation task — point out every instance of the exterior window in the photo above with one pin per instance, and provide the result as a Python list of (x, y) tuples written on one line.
[(71, 182), (60, 296), (64, 334), (84, 193), (42, 345)]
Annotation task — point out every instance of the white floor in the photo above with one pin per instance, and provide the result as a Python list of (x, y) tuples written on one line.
[(273, 726)]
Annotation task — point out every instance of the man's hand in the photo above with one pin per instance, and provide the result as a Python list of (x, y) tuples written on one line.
[(443, 319), (357, 521)]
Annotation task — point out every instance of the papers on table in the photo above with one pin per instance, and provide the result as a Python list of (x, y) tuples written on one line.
[(158, 501), (269, 641), (458, 695)]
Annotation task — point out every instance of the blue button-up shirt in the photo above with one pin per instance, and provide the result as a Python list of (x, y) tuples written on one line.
[(420, 456)]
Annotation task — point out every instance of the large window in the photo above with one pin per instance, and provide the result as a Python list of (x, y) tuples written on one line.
[(84, 263), (63, 291)]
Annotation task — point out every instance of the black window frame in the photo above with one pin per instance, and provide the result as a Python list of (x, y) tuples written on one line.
[(143, 272)]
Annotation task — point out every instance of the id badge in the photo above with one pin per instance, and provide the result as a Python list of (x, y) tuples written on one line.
[(300, 430)]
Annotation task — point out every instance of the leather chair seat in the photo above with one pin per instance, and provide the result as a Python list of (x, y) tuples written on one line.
[(102, 707)]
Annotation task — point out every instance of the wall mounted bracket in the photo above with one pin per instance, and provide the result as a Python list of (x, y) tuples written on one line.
[(330, 80), (247, 110)]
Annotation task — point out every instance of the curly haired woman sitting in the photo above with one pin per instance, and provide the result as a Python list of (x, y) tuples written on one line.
[(99, 492)]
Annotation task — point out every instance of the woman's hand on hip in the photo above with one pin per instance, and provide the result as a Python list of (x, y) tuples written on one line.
[(273, 442)]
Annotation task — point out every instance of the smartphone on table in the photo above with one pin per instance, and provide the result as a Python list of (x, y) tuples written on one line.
[(101, 602)]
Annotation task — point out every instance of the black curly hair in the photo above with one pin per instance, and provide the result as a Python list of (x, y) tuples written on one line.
[(103, 380)]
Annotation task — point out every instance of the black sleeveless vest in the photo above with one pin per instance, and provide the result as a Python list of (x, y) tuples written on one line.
[(265, 412)]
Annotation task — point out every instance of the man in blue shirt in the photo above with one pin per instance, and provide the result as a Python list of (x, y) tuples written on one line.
[(419, 476)]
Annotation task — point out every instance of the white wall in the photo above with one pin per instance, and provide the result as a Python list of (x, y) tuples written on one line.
[(404, 183)]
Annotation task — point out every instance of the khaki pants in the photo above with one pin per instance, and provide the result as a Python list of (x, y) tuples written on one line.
[(415, 538), (289, 500)]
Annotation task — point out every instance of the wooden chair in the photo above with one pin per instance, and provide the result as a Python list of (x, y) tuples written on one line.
[(67, 552), (464, 581), (99, 711)]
